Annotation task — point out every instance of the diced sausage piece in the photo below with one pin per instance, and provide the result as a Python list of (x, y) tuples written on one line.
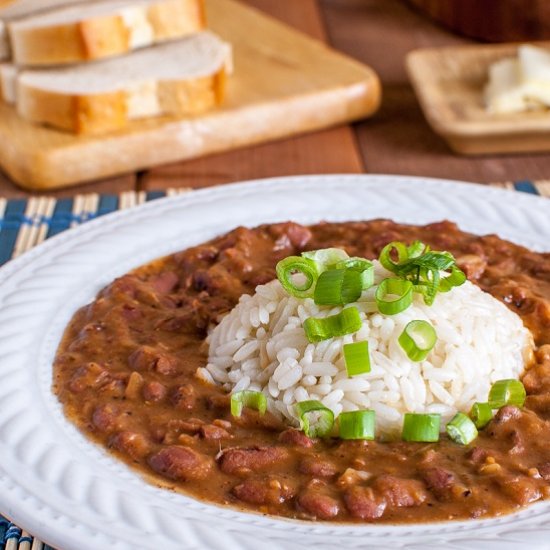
[(438, 481), (165, 282), (147, 358), (107, 418), (256, 458), (400, 492), (183, 397), (154, 391), (319, 505), (290, 234), (317, 467), (296, 437), (506, 413), (362, 503), (522, 490), (478, 455), (133, 444), (544, 471), (212, 432), (472, 265), (180, 463), (263, 491), (91, 376)]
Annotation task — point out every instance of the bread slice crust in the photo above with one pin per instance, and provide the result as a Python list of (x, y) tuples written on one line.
[(107, 35)]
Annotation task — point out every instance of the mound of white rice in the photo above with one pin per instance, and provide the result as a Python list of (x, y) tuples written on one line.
[(261, 345)]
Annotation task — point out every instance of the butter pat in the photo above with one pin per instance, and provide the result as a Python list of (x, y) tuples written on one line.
[(519, 84)]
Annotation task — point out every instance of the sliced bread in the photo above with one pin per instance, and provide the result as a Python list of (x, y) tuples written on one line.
[(100, 29), (184, 77), (16, 9)]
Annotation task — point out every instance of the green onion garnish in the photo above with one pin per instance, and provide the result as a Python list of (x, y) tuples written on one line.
[(507, 392), (325, 258), (421, 427), (394, 296), (417, 340), (456, 278), (248, 398), (347, 321), (422, 267), (357, 358), (461, 429), (481, 414), (364, 267), (293, 267), (337, 287), (386, 259), (357, 424), (316, 420)]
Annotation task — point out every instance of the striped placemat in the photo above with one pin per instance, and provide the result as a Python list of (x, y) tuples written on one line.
[(24, 223)]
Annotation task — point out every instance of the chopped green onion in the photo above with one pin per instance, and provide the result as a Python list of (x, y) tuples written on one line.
[(461, 429), (402, 292), (386, 259), (507, 392), (357, 424), (248, 398), (356, 357), (416, 249), (361, 265), (293, 267), (316, 420), (456, 278), (347, 321), (421, 427), (325, 258), (417, 340), (337, 287), (481, 414)]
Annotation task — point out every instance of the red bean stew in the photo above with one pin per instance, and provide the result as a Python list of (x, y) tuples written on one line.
[(125, 375)]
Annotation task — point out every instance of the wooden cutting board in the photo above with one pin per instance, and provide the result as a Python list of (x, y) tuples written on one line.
[(284, 83)]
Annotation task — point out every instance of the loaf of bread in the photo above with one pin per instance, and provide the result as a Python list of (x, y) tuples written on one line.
[(96, 30), (184, 77)]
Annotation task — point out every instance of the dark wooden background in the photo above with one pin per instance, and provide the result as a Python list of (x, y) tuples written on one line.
[(397, 140)]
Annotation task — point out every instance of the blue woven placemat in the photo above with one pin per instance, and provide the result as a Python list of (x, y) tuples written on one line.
[(24, 223)]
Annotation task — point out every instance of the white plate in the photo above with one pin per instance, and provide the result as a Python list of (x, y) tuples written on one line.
[(71, 493)]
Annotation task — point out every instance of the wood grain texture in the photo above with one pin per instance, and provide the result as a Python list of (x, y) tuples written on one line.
[(284, 84), (328, 151), (398, 139)]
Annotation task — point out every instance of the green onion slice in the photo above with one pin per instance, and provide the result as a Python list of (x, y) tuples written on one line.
[(416, 249), (325, 258), (248, 398), (481, 414), (456, 278), (347, 321), (357, 358), (421, 427), (507, 392), (364, 267), (357, 424), (417, 340), (337, 287), (386, 259), (292, 268), (394, 296), (316, 420), (461, 429)]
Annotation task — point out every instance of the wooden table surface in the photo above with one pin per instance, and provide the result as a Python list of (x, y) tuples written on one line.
[(397, 140)]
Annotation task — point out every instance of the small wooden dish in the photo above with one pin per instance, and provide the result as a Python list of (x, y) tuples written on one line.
[(449, 85)]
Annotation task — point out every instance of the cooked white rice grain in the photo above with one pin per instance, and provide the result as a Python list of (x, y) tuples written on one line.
[(261, 344)]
